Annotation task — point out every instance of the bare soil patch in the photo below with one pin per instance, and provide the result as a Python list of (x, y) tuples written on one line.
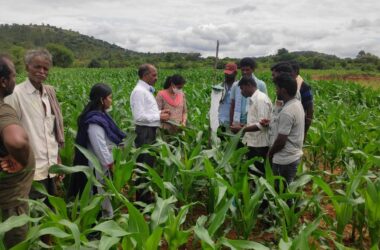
[(365, 80)]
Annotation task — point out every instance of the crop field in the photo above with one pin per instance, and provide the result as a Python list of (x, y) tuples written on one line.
[(205, 196)]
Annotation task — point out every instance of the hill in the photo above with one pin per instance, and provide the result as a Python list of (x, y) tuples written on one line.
[(86, 51)]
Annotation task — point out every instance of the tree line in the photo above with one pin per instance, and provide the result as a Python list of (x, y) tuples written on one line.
[(72, 49)]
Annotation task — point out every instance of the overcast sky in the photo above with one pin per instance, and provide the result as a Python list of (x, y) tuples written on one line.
[(244, 28)]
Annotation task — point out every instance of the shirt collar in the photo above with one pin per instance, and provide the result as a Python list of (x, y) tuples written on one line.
[(146, 86), (253, 97), (30, 89), (290, 101)]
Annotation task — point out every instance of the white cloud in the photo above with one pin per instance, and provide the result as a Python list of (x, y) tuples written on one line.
[(250, 27), (241, 9)]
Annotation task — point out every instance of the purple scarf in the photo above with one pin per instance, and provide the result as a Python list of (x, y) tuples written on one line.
[(99, 118)]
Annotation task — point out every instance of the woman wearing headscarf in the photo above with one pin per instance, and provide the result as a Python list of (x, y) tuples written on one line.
[(173, 99), (98, 133)]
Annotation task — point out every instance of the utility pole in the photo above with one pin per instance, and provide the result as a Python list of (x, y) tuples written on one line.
[(216, 60)]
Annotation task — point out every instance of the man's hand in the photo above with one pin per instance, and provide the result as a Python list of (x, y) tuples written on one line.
[(60, 177), (236, 128), (10, 165), (110, 167), (264, 122), (279, 103), (164, 115), (269, 155)]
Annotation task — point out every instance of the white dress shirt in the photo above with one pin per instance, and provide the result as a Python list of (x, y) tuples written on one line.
[(144, 106), (38, 123), (259, 107)]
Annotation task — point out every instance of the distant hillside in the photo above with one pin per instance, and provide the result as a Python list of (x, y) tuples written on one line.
[(85, 48), (85, 51), (14, 39)]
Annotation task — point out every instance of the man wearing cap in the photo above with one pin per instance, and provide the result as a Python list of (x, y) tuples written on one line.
[(221, 98)]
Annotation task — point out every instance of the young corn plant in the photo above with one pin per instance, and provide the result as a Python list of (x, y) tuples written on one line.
[(206, 235), (371, 196), (283, 200), (345, 202)]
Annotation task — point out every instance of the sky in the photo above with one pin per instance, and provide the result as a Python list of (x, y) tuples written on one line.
[(243, 28)]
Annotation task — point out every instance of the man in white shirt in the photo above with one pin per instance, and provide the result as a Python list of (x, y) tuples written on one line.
[(255, 135), (238, 112), (33, 106), (147, 118)]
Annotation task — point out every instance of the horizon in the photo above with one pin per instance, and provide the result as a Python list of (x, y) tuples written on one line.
[(180, 52)]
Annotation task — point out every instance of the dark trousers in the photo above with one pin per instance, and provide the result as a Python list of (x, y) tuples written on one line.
[(145, 135), (287, 171), (50, 186), (258, 152), (18, 234)]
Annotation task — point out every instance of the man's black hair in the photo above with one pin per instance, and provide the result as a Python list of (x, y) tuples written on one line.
[(247, 81), (248, 62), (282, 67), (295, 66), (286, 81), (5, 71)]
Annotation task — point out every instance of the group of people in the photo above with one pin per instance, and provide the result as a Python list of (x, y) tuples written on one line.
[(32, 132), (273, 132)]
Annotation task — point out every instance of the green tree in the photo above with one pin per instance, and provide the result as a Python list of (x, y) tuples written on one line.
[(94, 64), (62, 56), (284, 55), (319, 63), (17, 53)]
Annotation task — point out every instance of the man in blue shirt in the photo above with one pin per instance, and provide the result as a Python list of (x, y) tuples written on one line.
[(238, 108), (221, 97)]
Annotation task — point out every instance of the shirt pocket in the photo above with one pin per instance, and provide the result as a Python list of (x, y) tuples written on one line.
[(50, 123)]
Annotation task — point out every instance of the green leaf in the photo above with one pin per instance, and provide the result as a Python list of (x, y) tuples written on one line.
[(202, 233), (218, 218), (325, 187), (169, 186), (74, 231), (302, 239), (299, 182), (110, 228), (156, 180), (16, 221), (58, 203), (55, 231), (222, 189), (107, 242), (160, 212), (242, 244), (154, 239), (88, 171), (92, 158), (284, 245), (137, 224)]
